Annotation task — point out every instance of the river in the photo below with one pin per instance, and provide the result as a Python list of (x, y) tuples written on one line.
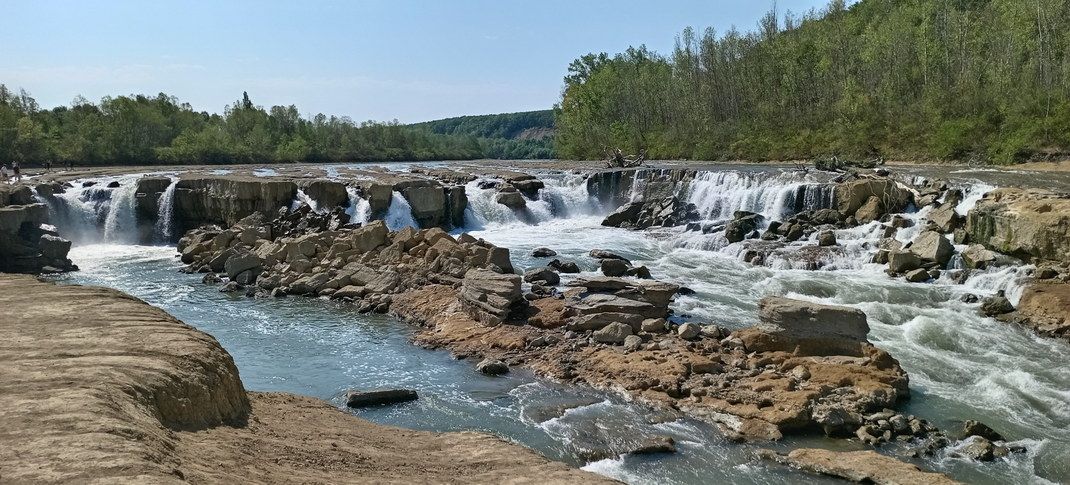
[(961, 366)]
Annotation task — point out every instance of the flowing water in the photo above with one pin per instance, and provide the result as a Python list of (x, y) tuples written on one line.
[(961, 366)]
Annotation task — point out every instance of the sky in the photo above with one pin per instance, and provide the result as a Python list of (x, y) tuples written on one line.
[(367, 59)]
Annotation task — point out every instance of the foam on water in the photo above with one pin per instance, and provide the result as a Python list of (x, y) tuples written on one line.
[(359, 209), (166, 213)]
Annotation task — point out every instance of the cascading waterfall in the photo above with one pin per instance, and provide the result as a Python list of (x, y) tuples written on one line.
[(564, 196), (302, 199), (121, 222), (718, 195), (399, 215), (163, 230), (359, 209)]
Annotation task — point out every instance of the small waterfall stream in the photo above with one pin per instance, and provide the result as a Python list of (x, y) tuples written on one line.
[(399, 215), (359, 209), (164, 228)]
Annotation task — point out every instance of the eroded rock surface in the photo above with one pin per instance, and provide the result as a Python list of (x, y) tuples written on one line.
[(97, 386)]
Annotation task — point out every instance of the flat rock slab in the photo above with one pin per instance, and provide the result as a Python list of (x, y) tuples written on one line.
[(859, 466)]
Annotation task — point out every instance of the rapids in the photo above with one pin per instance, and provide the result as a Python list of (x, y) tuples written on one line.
[(961, 366)]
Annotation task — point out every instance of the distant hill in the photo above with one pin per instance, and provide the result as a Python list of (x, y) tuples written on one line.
[(527, 134)]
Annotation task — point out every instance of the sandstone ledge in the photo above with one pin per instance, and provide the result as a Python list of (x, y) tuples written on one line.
[(97, 386), (858, 466)]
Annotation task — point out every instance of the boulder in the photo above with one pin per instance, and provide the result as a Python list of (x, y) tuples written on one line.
[(688, 331), (945, 218), (543, 253), (241, 262), (655, 445), (543, 275), (490, 297), (492, 367), (806, 328), (870, 211), (933, 246), (513, 200), (564, 266), (53, 247), (826, 238), (1032, 225), (369, 237), (379, 197), (977, 257), (614, 267), (979, 449), (977, 428), (627, 213), (327, 194), (360, 399), (603, 254), (743, 224), (917, 276), (428, 204), (996, 305), (614, 333), (902, 261), (851, 196)]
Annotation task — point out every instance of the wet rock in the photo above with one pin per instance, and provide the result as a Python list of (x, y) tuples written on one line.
[(996, 305), (543, 275), (836, 421), (870, 211), (977, 257), (656, 445), (627, 213), (979, 449), (614, 267), (543, 253), (826, 238), (1045, 308), (492, 367), (603, 254), (513, 200), (741, 225), (977, 428), (569, 267), (231, 287), (614, 333), (933, 246), (917, 276), (857, 466), (360, 399)]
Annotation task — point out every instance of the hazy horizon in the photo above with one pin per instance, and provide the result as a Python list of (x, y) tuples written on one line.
[(367, 60)]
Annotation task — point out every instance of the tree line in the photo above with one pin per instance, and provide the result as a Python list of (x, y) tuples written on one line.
[(968, 80), (145, 130), (527, 134)]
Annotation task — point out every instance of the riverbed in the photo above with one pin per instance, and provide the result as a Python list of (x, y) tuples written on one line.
[(961, 366)]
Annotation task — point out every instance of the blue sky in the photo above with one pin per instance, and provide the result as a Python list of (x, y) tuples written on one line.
[(405, 59)]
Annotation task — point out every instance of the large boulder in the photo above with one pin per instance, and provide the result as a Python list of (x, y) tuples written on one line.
[(1032, 225), (542, 275), (945, 218), (428, 204), (851, 196), (241, 262), (977, 257), (627, 213), (870, 211), (902, 261), (54, 247), (933, 246), (370, 236), (511, 199), (326, 193), (808, 328), (741, 225), (379, 197), (490, 297), (614, 333)]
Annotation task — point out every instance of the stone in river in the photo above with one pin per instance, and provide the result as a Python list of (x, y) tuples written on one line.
[(360, 399), (614, 267), (492, 367), (543, 253)]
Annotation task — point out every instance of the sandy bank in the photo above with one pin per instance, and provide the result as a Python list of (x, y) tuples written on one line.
[(97, 386)]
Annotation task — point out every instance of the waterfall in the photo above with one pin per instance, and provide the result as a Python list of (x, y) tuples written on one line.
[(359, 209), (163, 230), (718, 195), (121, 221), (564, 196), (399, 215), (303, 199)]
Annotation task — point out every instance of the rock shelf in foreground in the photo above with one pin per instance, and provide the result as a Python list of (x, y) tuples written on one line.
[(98, 386)]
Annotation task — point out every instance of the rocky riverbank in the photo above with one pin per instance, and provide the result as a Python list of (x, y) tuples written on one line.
[(28, 243), (97, 386)]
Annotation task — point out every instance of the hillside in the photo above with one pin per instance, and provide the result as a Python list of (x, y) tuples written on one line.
[(526, 134), (965, 80)]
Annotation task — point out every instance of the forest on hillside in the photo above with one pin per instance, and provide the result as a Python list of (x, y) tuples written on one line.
[(966, 80), (145, 130), (527, 134)]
